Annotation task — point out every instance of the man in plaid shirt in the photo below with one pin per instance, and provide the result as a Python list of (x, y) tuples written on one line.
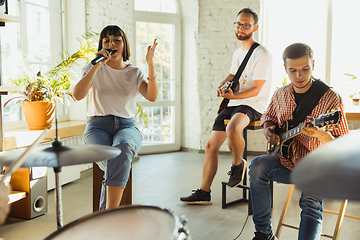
[(299, 64)]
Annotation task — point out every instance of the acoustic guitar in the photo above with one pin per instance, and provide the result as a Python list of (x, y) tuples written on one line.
[(287, 135)]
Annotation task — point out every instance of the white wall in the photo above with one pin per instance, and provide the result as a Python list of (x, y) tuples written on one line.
[(99, 14), (191, 122), (208, 42)]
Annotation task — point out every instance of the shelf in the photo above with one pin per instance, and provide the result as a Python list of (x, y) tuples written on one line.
[(16, 195), (6, 89), (8, 18)]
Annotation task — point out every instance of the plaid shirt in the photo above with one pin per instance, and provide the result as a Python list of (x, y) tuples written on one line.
[(281, 108)]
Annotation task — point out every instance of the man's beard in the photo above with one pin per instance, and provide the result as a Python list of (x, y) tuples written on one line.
[(242, 37)]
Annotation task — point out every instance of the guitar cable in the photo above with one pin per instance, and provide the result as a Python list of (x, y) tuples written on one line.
[(242, 229)]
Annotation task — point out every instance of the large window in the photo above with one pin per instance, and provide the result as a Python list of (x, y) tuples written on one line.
[(159, 20), (32, 45), (344, 53), (328, 27), (163, 6), (288, 22)]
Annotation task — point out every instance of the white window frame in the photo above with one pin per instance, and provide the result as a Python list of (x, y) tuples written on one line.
[(166, 18), (74, 11)]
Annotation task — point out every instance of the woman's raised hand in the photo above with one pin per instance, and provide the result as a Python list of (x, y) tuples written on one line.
[(150, 52)]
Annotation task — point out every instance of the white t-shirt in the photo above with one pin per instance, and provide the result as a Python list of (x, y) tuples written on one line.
[(259, 67), (113, 91)]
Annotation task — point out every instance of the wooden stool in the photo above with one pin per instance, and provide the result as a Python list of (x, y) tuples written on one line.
[(252, 126), (340, 218), (97, 183)]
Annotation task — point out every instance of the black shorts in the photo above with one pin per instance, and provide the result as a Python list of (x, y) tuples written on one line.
[(228, 112)]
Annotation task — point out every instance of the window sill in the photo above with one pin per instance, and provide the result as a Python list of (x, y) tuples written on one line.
[(8, 18), (24, 137)]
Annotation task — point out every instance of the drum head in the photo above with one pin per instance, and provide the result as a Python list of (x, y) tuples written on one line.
[(123, 223)]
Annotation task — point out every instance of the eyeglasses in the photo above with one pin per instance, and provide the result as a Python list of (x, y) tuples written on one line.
[(244, 26)]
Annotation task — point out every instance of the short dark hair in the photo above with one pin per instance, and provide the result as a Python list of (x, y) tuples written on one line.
[(297, 50), (248, 10), (115, 31)]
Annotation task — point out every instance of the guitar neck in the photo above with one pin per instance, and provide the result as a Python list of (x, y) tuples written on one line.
[(284, 146), (291, 133)]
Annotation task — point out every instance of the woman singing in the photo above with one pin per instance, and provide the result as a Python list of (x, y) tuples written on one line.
[(113, 84)]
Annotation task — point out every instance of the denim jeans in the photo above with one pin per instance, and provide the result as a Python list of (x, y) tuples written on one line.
[(117, 132), (268, 167)]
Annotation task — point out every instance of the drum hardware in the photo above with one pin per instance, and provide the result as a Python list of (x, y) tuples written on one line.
[(55, 156), (16, 164), (184, 233), (135, 222), (332, 170)]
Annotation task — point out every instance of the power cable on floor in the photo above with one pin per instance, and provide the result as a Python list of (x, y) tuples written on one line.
[(242, 227)]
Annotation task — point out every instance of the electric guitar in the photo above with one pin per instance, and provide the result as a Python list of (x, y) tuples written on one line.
[(287, 135)]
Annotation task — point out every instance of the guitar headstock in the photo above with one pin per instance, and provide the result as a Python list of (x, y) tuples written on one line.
[(329, 119)]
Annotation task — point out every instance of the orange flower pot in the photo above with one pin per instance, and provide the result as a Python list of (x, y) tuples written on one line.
[(38, 115)]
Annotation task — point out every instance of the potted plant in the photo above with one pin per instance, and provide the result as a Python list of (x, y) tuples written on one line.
[(43, 91)]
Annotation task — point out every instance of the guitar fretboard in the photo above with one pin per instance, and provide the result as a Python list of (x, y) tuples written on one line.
[(291, 133)]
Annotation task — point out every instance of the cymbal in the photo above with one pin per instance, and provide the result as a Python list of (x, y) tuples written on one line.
[(333, 170), (58, 156)]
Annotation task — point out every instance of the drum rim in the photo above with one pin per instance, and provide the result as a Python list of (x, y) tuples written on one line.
[(99, 213)]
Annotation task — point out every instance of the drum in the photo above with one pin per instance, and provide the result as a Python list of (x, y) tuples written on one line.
[(134, 222)]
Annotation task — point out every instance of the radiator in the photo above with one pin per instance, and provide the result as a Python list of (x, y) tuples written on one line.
[(68, 141), (68, 173)]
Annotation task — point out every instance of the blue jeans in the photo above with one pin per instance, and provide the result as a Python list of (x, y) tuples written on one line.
[(268, 167), (117, 132)]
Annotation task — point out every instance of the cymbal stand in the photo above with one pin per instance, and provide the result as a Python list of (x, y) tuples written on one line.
[(58, 195), (57, 170)]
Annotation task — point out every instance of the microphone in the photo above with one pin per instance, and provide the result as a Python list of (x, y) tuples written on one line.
[(101, 57)]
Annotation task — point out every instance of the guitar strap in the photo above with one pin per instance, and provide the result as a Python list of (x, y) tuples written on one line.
[(235, 80), (241, 68), (308, 102)]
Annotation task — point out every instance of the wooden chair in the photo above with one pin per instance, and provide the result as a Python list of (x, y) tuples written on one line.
[(339, 221), (246, 189)]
